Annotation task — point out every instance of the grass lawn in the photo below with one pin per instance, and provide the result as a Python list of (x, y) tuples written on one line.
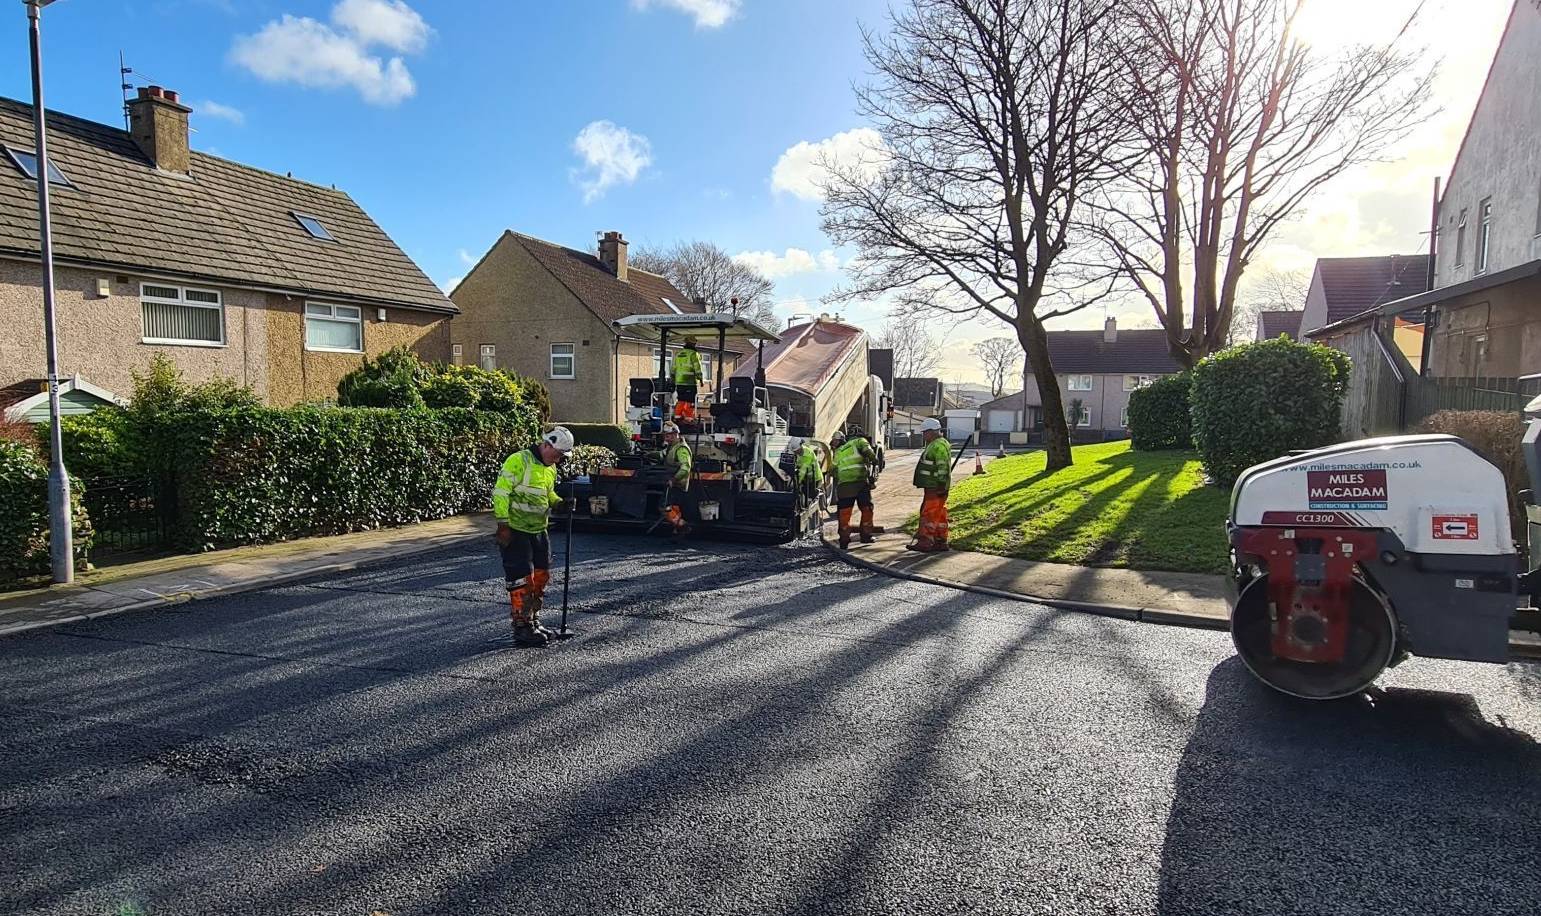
[(1113, 507)]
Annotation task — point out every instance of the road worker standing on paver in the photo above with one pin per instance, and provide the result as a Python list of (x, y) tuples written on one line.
[(933, 475), (676, 455), (688, 373), (856, 466), (522, 501)]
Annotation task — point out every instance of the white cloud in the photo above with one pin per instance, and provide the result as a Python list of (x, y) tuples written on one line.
[(611, 155), (709, 14), (300, 50), (449, 285), (466, 257), (389, 23), (803, 168), (213, 109), (795, 261)]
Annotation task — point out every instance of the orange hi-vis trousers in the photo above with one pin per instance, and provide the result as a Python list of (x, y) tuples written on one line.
[(933, 520)]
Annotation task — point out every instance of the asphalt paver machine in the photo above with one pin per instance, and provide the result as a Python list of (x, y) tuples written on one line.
[(734, 492), (1348, 559)]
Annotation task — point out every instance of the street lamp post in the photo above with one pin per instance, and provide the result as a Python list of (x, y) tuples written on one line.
[(61, 547)]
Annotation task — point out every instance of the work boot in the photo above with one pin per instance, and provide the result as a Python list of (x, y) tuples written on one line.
[(537, 602), (843, 525), (527, 637), (867, 536)]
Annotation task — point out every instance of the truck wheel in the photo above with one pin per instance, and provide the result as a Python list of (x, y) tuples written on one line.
[(1372, 644)]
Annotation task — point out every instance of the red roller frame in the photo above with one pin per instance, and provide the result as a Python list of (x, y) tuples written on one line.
[(1279, 550)]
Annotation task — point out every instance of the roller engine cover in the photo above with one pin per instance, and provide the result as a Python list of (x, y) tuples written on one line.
[(1346, 556)]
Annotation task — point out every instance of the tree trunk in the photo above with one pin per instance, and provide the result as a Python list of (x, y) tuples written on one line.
[(1035, 343)]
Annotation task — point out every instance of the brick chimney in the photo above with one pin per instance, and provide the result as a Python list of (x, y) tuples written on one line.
[(612, 253), (1110, 330), (158, 123)]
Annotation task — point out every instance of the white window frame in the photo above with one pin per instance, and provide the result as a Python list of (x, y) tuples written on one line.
[(1140, 381), (1460, 240), (1072, 382), (1123, 417), (181, 300), (336, 319), (487, 357), (457, 354), (1084, 421), (1484, 235), (572, 354)]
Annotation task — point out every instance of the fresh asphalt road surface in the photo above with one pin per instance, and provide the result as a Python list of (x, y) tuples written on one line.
[(736, 730)]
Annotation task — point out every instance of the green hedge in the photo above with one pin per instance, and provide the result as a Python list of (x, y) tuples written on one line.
[(607, 435), (1259, 401), (1159, 418), (24, 514), (256, 475)]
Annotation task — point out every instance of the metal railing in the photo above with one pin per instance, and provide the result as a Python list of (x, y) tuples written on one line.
[(128, 514)]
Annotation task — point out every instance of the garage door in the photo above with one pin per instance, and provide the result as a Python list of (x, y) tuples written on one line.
[(1002, 421)]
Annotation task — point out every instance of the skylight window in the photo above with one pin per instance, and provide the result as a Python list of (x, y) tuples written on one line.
[(27, 162), (314, 227), (672, 307)]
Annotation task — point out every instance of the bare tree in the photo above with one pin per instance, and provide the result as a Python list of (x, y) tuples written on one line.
[(704, 271), (1239, 123), (1272, 290), (999, 358), (995, 125), (917, 352)]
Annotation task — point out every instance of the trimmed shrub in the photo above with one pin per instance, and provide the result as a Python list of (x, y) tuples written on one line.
[(1496, 435), (256, 475), (1261, 400), (392, 379), (1159, 415), (449, 390), (100, 444), (24, 514), (584, 461), (612, 437)]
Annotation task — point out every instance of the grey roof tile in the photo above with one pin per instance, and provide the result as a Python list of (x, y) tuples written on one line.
[(224, 221)]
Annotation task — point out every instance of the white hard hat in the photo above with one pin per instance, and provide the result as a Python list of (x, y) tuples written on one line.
[(670, 428), (931, 424), (560, 438), (794, 443)]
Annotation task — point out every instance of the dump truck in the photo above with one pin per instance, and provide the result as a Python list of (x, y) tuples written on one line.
[(735, 489), (818, 382)]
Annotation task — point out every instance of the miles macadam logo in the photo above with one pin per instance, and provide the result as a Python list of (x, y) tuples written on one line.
[(1364, 489)]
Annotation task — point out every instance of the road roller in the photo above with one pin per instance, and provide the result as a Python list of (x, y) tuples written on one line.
[(1347, 560)]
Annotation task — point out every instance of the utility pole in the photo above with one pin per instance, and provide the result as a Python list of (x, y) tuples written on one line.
[(61, 546)]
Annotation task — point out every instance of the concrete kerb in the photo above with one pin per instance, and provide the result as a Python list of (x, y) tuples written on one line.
[(236, 588), (1142, 615)]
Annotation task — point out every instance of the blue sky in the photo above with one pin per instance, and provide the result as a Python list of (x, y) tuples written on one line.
[(665, 119)]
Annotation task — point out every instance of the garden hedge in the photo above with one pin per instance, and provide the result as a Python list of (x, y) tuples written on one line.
[(24, 514), (256, 475), (1259, 401), (1159, 415), (607, 435)]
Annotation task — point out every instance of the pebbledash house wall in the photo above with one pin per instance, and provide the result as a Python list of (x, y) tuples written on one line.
[(101, 338)]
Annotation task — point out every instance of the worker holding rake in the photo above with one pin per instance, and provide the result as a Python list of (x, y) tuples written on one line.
[(522, 501), (933, 475)]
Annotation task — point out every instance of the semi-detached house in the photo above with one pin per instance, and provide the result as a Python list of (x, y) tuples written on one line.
[(228, 270), (547, 311)]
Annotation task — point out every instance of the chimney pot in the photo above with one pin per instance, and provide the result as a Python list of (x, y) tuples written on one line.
[(157, 92), (1110, 330), (173, 96)]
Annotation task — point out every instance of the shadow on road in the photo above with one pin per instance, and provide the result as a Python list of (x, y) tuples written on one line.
[(1400, 801)]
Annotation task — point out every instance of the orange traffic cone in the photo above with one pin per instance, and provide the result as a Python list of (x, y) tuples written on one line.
[(979, 467)]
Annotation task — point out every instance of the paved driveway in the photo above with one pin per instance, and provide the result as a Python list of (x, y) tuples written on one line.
[(737, 730)]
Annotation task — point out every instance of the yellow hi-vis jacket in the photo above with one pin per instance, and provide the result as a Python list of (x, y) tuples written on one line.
[(678, 456), (687, 367), (525, 492), (808, 470), (934, 470), (853, 459)]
